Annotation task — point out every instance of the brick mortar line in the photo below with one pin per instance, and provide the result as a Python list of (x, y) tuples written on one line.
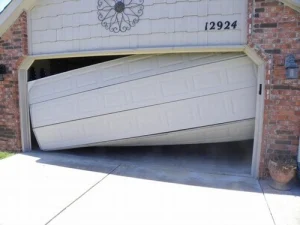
[(84, 193)]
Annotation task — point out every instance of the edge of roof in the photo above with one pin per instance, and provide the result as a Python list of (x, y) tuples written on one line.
[(294, 4), (6, 6), (12, 11)]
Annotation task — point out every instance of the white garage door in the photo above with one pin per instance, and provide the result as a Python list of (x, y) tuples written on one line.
[(147, 100)]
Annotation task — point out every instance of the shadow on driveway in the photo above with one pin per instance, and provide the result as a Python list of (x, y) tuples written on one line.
[(168, 164)]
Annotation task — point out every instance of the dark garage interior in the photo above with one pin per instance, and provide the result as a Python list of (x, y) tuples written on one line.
[(231, 158)]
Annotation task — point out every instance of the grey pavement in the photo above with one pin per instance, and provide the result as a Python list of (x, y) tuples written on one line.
[(65, 188)]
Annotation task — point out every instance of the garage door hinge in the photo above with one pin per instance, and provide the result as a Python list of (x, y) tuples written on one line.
[(260, 89)]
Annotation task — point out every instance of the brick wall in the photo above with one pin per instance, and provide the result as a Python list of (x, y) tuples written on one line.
[(276, 33), (13, 48)]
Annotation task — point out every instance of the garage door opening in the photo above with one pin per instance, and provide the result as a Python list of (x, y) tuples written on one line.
[(204, 102)]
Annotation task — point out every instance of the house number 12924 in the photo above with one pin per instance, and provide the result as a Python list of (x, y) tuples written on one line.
[(227, 25)]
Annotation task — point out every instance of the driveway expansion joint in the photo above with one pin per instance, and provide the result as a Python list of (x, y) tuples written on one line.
[(84, 193), (262, 191)]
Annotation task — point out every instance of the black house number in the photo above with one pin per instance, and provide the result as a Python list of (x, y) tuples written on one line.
[(227, 25)]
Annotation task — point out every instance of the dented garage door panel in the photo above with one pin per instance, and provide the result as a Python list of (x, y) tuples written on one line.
[(203, 90), (117, 71), (186, 114), (234, 131), (168, 87)]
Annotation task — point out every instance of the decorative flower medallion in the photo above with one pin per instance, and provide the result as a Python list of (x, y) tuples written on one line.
[(120, 15)]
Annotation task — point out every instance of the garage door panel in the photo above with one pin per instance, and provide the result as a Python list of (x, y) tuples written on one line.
[(87, 80), (113, 72), (45, 138), (144, 93), (174, 87), (177, 98), (88, 102), (116, 72), (212, 79), (181, 115), (114, 99), (142, 65), (174, 59), (211, 107), (241, 73), (168, 87), (235, 131), (40, 113), (94, 128), (145, 121), (125, 124), (244, 102)]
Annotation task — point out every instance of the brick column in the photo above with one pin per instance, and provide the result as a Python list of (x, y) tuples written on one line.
[(13, 49), (274, 32)]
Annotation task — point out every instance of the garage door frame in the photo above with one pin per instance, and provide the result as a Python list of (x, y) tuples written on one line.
[(24, 104)]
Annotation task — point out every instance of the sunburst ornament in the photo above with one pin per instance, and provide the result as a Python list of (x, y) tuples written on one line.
[(120, 15)]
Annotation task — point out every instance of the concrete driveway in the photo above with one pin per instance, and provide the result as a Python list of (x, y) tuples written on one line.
[(64, 188)]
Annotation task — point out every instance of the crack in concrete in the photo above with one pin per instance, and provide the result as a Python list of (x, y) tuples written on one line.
[(84, 193), (262, 190)]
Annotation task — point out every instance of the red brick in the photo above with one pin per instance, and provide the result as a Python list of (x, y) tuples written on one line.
[(282, 108), (13, 49)]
